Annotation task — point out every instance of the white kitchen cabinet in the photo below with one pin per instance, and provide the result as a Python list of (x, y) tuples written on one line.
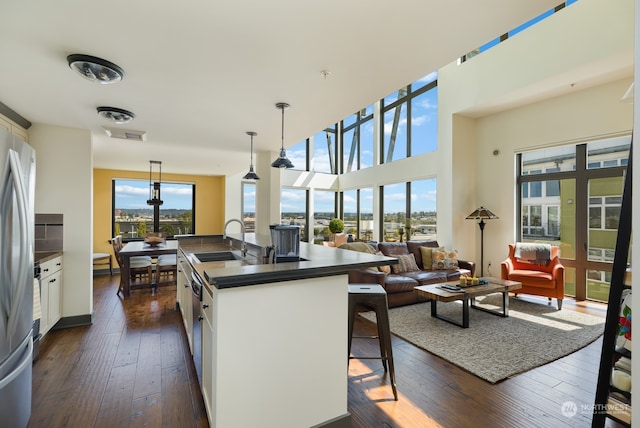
[(51, 293), (183, 295), (207, 354)]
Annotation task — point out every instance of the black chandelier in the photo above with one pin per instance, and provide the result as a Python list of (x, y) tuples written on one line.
[(154, 186)]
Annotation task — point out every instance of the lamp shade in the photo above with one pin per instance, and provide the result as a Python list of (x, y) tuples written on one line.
[(481, 213)]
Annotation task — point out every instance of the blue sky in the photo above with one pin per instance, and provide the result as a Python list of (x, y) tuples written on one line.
[(134, 194)]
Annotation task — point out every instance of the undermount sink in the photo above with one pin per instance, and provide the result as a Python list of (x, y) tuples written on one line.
[(216, 256)]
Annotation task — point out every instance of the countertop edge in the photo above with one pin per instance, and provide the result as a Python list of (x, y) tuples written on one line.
[(45, 256)]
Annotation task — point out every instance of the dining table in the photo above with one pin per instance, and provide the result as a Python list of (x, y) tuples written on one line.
[(141, 248)]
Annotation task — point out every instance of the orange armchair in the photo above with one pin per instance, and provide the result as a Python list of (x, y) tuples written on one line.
[(537, 279)]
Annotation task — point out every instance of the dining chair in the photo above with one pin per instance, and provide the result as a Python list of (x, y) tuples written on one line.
[(167, 269), (139, 266)]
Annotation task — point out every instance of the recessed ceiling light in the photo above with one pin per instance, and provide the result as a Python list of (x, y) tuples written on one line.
[(115, 114), (95, 69)]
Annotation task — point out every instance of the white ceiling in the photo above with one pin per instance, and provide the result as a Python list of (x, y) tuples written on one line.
[(199, 74)]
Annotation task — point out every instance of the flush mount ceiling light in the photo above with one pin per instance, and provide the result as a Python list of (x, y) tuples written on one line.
[(251, 175), (115, 114), (95, 69), (282, 161)]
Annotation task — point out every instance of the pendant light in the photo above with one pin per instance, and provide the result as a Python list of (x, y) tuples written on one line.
[(282, 161), (154, 186), (251, 175)]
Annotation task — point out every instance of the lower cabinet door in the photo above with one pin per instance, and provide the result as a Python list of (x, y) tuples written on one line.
[(54, 283)]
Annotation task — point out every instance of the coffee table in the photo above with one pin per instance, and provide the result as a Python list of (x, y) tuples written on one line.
[(436, 294)]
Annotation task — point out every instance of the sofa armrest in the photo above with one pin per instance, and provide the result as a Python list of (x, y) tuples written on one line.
[(470, 266), (557, 271), (366, 276), (506, 267)]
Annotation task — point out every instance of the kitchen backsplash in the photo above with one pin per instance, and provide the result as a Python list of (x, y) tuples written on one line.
[(49, 229)]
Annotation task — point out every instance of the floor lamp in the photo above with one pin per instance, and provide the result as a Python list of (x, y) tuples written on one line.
[(481, 214)]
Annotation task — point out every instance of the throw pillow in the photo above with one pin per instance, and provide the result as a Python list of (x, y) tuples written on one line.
[(406, 263), (427, 260), (444, 260), (385, 269)]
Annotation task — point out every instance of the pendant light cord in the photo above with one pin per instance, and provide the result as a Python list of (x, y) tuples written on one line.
[(251, 150), (282, 134)]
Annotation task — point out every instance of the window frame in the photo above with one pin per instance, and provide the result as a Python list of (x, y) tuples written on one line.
[(158, 212)]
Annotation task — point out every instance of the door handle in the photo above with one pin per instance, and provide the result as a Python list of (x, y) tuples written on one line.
[(15, 174)]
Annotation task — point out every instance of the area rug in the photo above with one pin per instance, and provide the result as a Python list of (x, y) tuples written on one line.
[(495, 348)]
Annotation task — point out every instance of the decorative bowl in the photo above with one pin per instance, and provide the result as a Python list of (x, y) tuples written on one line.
[(154, 240)]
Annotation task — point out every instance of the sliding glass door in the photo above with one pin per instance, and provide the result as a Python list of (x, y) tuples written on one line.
[(570, 197)]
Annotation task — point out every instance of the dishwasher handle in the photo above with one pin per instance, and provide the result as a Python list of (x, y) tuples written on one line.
[(196, 286)]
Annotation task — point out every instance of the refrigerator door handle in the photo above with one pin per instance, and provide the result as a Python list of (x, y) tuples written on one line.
[(23, 269), (26, 360)]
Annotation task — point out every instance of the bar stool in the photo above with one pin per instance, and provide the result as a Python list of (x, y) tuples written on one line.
[(373, 297)]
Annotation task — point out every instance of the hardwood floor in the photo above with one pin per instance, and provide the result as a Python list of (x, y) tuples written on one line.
[(132, 368)]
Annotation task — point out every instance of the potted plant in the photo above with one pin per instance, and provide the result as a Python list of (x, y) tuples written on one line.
[(336, 225)]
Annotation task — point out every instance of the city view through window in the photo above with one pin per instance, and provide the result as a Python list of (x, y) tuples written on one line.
[(133, 218)]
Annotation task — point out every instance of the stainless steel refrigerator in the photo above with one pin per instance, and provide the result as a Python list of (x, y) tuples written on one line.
[(17, 189)]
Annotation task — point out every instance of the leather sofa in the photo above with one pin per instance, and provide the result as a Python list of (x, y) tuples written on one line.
[(399, 285)]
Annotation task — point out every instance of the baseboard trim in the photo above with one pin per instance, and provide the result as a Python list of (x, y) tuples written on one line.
[(74, 321), (343, 421)]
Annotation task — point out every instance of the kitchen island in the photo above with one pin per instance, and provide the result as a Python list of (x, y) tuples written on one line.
[(273, 336)]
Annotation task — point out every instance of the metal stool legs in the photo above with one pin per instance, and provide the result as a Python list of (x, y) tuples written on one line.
[(373, 297)]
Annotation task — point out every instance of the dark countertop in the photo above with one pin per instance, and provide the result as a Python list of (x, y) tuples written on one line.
[(45, 256), (319, 261)]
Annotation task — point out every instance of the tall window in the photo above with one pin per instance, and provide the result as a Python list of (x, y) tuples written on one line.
[(132, 217), (249, 206), (394, 128), (410, 120), (570, 196), (294, 209), (324, 209), (298, 155), (424, 115), (409, 210), (394, 211), (422, 209), (357, 140), (324, 151)]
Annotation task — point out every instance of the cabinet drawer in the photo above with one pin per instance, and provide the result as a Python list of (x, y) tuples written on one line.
[(51, 266)]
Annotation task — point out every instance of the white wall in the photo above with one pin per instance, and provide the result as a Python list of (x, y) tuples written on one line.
[(64, 184)]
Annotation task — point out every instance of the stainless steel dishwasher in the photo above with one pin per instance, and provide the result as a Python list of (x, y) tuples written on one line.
[(196, 308)]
